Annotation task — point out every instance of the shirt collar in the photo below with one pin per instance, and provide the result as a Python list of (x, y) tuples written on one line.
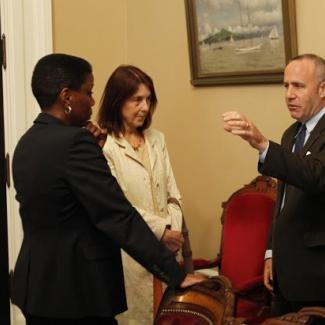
[(312, 122)]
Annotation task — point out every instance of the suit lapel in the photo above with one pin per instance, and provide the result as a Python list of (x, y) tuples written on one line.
[(287, 142), (289, 139), (131, 153), (151, 146), (314, 135), (128, 151)]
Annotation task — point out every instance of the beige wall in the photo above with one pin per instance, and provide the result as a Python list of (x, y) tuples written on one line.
[(94, 30), (208, 163)]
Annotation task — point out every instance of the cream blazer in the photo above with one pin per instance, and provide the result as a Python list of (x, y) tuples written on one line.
[(134, 180)]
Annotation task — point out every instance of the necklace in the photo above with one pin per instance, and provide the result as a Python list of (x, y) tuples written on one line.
[(137, 145), (135, 141)]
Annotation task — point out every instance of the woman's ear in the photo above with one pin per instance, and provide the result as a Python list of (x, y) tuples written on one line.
[(65, 96)]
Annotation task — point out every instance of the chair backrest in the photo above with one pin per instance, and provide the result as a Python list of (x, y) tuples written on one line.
[(246, 219)]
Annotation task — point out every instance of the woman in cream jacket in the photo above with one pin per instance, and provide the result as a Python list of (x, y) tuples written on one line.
[(138, 158)]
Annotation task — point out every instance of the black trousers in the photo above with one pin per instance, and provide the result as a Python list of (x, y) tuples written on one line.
[(35, 320)]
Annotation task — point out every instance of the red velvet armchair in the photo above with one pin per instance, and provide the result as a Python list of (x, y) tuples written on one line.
[(246, 220)]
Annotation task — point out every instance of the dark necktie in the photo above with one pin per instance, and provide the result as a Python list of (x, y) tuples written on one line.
[(300, 138)]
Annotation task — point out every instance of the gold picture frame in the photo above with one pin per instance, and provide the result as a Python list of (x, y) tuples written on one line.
[(240, 41)]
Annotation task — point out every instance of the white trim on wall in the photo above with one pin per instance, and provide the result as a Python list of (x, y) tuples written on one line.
[(27, 25)]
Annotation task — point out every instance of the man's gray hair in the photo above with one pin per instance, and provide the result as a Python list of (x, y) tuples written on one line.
[(318, 61)]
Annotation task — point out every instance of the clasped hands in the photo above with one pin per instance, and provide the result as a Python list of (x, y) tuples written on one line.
[(173, 240)]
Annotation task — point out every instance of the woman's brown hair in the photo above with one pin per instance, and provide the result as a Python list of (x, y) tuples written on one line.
[(121, 85)]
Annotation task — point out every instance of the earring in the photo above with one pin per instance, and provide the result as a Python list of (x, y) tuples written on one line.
[(68, 110)]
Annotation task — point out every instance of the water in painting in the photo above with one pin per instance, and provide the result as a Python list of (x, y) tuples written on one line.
[(240, 35)]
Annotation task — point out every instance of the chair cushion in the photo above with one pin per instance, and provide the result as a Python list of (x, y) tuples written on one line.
[(247, 221)]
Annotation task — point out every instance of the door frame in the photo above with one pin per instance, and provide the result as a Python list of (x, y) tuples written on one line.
[(27, 25), (4, 269)]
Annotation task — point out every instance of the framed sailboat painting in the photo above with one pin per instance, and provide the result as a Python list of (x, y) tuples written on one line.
[(240, 41)]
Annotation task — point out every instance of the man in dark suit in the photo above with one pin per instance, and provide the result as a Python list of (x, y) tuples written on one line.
[(295, 259), (75, 216)]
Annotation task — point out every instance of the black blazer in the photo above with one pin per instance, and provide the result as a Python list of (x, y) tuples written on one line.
[(75, 219), (298, 235)]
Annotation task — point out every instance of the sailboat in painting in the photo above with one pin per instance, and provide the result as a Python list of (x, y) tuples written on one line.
[(249, 49), (248, 43), (274, 34)]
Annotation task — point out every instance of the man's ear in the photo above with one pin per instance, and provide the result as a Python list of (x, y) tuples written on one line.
[(321, 90)]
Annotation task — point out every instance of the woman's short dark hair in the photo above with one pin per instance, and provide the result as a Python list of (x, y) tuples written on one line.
[(54, 72), (121, 85)]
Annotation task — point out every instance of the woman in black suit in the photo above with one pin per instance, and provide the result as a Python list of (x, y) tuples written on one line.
[(75, 216)]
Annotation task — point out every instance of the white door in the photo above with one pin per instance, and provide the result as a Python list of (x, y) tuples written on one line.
[(27, 26)]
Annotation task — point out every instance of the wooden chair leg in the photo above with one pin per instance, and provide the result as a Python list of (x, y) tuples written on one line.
[(157, 295)]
